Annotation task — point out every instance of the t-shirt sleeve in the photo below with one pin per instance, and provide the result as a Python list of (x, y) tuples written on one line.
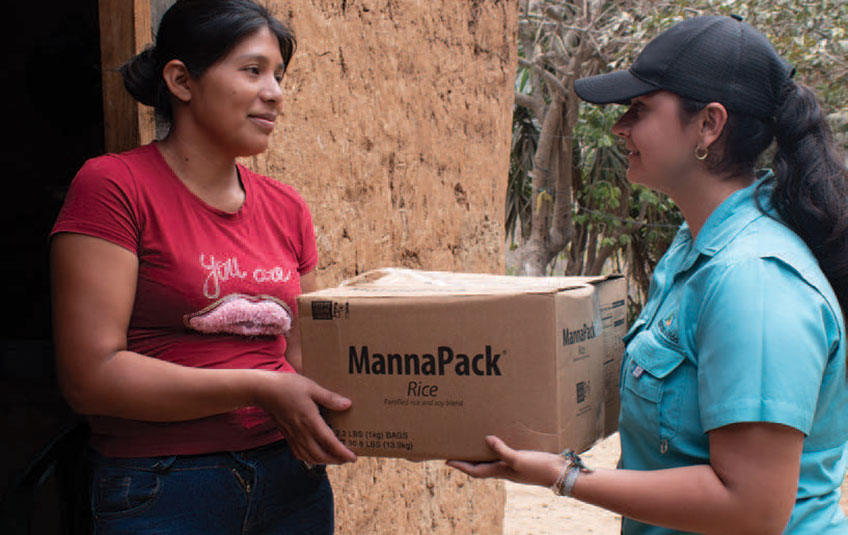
[(763, 341), (100, 203), (308, 258)]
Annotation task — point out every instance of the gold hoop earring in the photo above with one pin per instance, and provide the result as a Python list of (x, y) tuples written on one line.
[(701, 155)]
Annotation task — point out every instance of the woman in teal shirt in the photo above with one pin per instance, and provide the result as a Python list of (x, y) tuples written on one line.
[(734, 389)]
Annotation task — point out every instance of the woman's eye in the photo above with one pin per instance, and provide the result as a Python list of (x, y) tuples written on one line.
[(252, 70), (279, 78)]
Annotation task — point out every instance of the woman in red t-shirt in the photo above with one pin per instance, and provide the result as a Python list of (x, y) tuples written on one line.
[(175, 272)]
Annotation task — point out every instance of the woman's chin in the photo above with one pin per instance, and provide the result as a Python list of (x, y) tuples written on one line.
[(635, 177), (632, 177), (252, 149)]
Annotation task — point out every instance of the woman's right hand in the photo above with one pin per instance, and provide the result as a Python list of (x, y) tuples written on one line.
[(293, 402), (522, 466)]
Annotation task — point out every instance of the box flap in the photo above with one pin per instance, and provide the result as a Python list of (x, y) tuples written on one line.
[(402, 281)]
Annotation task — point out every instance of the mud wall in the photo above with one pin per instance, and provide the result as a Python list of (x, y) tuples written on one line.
[(396, 131)]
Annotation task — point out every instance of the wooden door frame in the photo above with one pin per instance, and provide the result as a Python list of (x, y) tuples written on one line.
[(125, 29)]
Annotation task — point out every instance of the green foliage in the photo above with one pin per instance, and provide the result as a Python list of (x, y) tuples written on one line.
[(608, 213), (525, 138)]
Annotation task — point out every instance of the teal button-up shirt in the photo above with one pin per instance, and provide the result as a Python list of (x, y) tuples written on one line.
[(740, 326)]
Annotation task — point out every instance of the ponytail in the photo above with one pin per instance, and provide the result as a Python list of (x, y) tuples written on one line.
[(810, 179), (811, 184)]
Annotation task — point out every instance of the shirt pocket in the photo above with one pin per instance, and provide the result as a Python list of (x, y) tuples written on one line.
[(654, 385)]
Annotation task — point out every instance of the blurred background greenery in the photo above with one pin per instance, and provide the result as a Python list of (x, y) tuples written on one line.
[(569, 209)]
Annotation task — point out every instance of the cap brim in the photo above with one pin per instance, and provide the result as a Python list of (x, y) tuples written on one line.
[(614, 87)]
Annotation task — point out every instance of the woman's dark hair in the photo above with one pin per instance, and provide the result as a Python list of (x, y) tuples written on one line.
[(810, 178), (198, 33)]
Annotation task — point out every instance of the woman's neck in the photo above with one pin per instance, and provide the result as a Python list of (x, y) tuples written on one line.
[(702, 194), (205, 172), (196, 163)]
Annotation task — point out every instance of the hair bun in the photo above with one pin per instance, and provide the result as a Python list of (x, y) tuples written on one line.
[(141, 76)]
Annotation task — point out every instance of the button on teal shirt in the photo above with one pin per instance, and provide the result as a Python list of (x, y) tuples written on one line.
[(740, 326)]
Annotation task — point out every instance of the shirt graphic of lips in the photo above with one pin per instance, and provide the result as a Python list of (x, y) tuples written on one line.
[(241, 314)]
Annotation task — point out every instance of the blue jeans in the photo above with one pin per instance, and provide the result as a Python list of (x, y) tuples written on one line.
[(264, 491)]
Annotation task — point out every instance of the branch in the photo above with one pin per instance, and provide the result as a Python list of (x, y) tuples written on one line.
[(597, 265), (562, 226), (550, 78), (834, 59), (627, 226), (535, 104), (540, 176)]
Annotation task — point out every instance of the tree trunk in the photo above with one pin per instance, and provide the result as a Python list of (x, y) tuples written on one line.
[(533, 254)]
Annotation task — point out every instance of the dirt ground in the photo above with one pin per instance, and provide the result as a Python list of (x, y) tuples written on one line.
[(536, 511)]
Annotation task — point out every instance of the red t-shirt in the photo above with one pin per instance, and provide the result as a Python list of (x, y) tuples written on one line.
[(215, 289)]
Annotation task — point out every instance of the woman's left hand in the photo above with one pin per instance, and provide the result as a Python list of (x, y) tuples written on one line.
[(521, 466)]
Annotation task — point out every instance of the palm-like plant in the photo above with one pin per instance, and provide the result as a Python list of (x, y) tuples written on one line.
[(525, 140)]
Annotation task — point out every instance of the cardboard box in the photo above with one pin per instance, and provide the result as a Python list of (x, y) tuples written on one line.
[(435, 361)]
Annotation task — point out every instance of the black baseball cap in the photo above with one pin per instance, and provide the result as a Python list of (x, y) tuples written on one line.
[(709, 59)]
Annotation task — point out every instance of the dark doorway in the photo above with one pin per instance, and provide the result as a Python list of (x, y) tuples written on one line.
[(52, 111)]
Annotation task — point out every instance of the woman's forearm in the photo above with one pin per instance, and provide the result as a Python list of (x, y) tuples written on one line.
[(749, 485), (690, 498), (134, 386)]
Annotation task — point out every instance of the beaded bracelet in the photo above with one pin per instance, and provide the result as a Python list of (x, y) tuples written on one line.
[(565, 481)]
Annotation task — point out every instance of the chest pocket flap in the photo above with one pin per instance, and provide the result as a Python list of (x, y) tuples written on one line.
[(652, 358)]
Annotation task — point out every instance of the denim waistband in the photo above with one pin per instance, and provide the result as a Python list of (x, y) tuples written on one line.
[(188, 462)]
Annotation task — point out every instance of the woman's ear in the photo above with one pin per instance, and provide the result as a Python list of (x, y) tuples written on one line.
[(713, 119), (177, 78)]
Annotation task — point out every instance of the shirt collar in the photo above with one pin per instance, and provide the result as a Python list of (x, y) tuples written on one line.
[(734, 214)]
